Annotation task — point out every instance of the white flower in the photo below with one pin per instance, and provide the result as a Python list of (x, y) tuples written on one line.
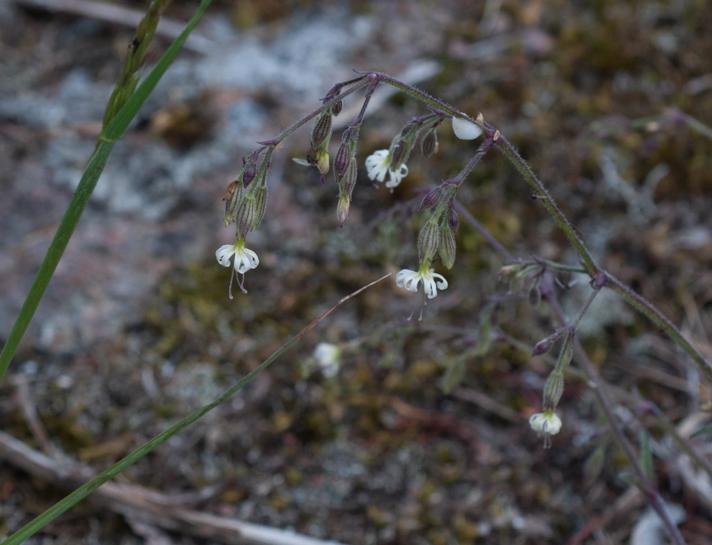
[(432, 281), (547, 423), (244, 258), (464, 129), (378, 165), (328, 356)]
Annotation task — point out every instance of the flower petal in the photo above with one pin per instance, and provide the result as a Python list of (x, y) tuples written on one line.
[(440, 281), (408, 280), (377, 165), (465, 129), (252, 258), (302, 162), (224, 253)]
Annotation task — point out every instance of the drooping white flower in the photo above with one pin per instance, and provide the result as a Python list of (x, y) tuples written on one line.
[(244, 258), (378, 166), (464, 129), (432, 281), (328, 356), (546, 423)]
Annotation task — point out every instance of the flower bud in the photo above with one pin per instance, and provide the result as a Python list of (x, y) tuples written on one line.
[(553, 390), (348, 180), (342, 208), (429, 143), (431, 198), (544, 345), (428, 240), (447, 247), (341, 161), (453, 218), (322, 130), (248, 174)]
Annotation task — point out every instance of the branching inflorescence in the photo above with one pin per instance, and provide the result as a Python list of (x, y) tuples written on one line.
[(246, 200)]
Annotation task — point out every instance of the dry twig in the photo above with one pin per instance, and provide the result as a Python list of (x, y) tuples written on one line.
[(147, 507)]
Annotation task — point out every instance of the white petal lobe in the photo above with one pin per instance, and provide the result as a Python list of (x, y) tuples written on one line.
[(224, 253)]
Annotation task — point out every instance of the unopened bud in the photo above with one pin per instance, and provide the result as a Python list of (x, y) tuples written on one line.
[(447, 247), (553, 390), (544, 345), (322, 130), (431, 198), (348, 181), (453, 218), (428, 240), (341, 161), (342, 208), (429, 143), (249, 173)]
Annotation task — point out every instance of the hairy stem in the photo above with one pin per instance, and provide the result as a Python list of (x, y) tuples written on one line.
[(604, 404), (637, 301), (358, 84), (650, 311)]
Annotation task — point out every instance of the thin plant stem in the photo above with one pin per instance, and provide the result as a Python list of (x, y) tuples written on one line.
[(563, 267), (358, 84), (482, 150), (650, 311), (621, 395), (134, 456), (584, 309), (550, 204), (114, 129), (484, 232), (637, 301), (604, 404)]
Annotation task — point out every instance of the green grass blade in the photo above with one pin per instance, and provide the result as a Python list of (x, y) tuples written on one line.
[(114, 130), (120, 122), (69, 501)]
